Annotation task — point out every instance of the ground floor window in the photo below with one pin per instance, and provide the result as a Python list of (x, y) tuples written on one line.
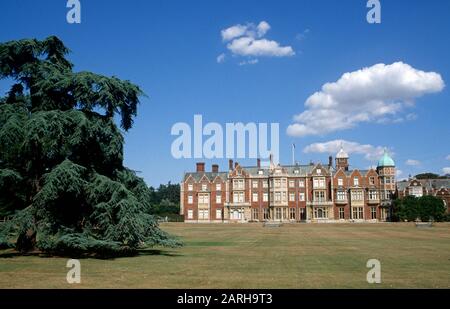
[(278, 213), (203, 214), (190, 214), (237, 214), (302, 214), (383, 214), (292, 213), (341, 213), (321, 213), (255, 214), (266, 214), (218, 213), (358, 213), (373, 212)]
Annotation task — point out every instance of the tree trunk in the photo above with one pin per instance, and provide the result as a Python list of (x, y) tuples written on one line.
[(26, 241)]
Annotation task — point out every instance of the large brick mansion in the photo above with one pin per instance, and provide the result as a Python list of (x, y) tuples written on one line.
[(290, 193)]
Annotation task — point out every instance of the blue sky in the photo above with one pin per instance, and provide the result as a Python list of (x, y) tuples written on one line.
[(170, 49)]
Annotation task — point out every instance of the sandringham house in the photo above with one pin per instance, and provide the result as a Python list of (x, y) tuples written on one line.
[(289, 193)]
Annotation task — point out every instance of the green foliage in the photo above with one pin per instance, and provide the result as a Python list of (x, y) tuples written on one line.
[(61, 158), (165, 201), (429, 176), (424, 208)]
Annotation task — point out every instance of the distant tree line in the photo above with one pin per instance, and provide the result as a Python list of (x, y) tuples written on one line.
[(425, 208), (165, 200), (431, 176)]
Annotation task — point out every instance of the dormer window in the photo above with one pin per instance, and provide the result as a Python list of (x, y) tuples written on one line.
[(204, 187), (296, 171), (356, 181), (319, 171), (260, 172), (190, 187)]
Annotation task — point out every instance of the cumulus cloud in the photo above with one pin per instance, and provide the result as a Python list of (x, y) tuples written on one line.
[(412, 162), (221, 58), (379, 93), (370, 152), (446, 170), (248, 41)]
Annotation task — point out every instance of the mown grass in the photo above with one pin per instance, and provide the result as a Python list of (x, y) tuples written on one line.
[(251, 256)]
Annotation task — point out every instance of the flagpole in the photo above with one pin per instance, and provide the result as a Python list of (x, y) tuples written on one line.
[(293, 154)]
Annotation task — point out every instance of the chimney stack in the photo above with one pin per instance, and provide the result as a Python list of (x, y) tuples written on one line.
[(230, 165), (215, 168), (258, 163), (330, 161), (200, 167)]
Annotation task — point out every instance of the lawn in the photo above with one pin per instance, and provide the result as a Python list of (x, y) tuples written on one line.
[(251, 256)]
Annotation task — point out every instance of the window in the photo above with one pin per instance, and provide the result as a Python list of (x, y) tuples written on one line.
[(218, 187), (373, 195), (301, 183), (358, 213), (373, 212), (372, 181), (255, 197), (357, 195), (302, 197), (319, 183), (341, 195), (218, 199), (296, 171), (190, 199), (190, 214), (319, 171), (265, 183), (319, 196), (204, 186), (203, 214), (291, 197), (203, 198), (356, 181), (190, 187), (302, 214), (284, 196), (260, 172), (292, 213), (277, 183), (255, 214), (266, 214), (254, 184), (340, 182), (218, 213), (415, 191), (341, 213), (277, 196), (291, 183), (238, 184), (283, 182), (321, 213), (278, 213), (238, 197), (265, 197)]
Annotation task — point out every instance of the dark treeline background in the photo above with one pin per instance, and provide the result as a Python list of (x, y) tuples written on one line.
[(165, 201)]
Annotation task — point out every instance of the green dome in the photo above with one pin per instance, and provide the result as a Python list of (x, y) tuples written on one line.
[(385, 160)]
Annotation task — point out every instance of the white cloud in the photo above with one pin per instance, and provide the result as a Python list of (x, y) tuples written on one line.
[(262, 28), (412, 162), (375, 94), (221, 58), (398, 173), (248, 41), (251, 61), (233, 32), (370, 152), (446, 170), (447, 157)]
